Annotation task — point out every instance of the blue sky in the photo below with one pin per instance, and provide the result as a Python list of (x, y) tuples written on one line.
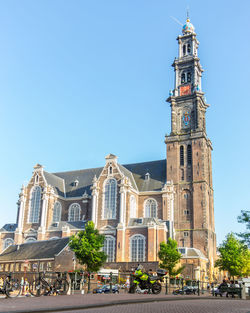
[(83, 78)]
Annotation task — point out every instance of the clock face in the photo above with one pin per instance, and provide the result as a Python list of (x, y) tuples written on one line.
[(186, 118), (185, 90)]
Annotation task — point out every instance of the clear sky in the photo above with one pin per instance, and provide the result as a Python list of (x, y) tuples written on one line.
[(83, 78)]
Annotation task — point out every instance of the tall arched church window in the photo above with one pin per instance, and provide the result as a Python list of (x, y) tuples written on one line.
[(188, 77), (137, 248), (35, 203), (74, 212), (189, 155), (109, 248), (188, 48), (109, 210), (132, 206), (57, 209), (181, 155), (8, 242), (150, 208)]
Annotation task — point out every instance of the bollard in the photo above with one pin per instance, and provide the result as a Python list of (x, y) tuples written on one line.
[(69, 290), (166, 291), (243, 292)]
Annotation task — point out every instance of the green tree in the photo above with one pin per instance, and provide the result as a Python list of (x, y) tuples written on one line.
[(234, 257), (170, 257), (244, 218), (87, 245)]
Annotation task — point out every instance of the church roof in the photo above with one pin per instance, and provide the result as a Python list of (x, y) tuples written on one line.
[(157, 173), (76, 183), (72, 225), (37, 250), (8, 228)]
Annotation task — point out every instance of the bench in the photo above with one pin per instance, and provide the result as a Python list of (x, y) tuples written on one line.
[(229, 291)]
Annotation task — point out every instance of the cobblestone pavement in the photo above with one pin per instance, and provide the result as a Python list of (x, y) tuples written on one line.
[(126, 303), (191, 306)]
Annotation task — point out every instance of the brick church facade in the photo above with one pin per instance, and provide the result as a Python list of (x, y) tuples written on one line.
[(136, 206)]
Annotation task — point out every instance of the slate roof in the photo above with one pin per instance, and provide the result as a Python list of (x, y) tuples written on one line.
[(191, 253), (84, 178), (64, 181), (145, 221), (71, 225), (8, 227), (37, 250), (55, 181), (157, 171)]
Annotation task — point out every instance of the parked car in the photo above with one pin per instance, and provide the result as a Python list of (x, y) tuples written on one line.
[(187, 290), (106, 289)]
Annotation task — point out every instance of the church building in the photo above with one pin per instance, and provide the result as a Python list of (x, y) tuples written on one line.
[(137, 206)]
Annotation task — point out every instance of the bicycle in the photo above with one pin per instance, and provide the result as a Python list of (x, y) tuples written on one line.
[(41, 286), (11, 287)]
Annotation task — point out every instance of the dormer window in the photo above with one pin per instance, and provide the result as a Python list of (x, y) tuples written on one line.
[(147, 176), (75, 183)]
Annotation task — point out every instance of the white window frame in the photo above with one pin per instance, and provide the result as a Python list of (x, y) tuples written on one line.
[(137, 258), (107, 247), (132, 206), (57, 214), (109, 211), (150, 213), (71, 207), (32, 204), (30, 239)]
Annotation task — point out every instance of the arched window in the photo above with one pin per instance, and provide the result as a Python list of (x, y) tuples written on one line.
[(137, 248), (109, 248), (188, 48), (57, 212), (189, 155), (74, 212), (150, 208), (184, 49), (132, 206), (183, 78), (8, 242), (188, 77), (181, 155), (110, 199), (35, 203)]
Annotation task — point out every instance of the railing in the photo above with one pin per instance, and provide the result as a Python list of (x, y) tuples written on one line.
[(82, 282)]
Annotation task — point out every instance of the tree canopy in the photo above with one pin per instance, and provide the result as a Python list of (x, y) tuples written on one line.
[(234, 257), (170, 257), (244, 218), (87, 245)]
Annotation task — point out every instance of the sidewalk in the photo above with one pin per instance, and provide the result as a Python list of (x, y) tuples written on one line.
[(73, 302)]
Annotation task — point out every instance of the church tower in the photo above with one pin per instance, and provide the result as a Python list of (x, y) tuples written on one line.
[(189, 149)]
